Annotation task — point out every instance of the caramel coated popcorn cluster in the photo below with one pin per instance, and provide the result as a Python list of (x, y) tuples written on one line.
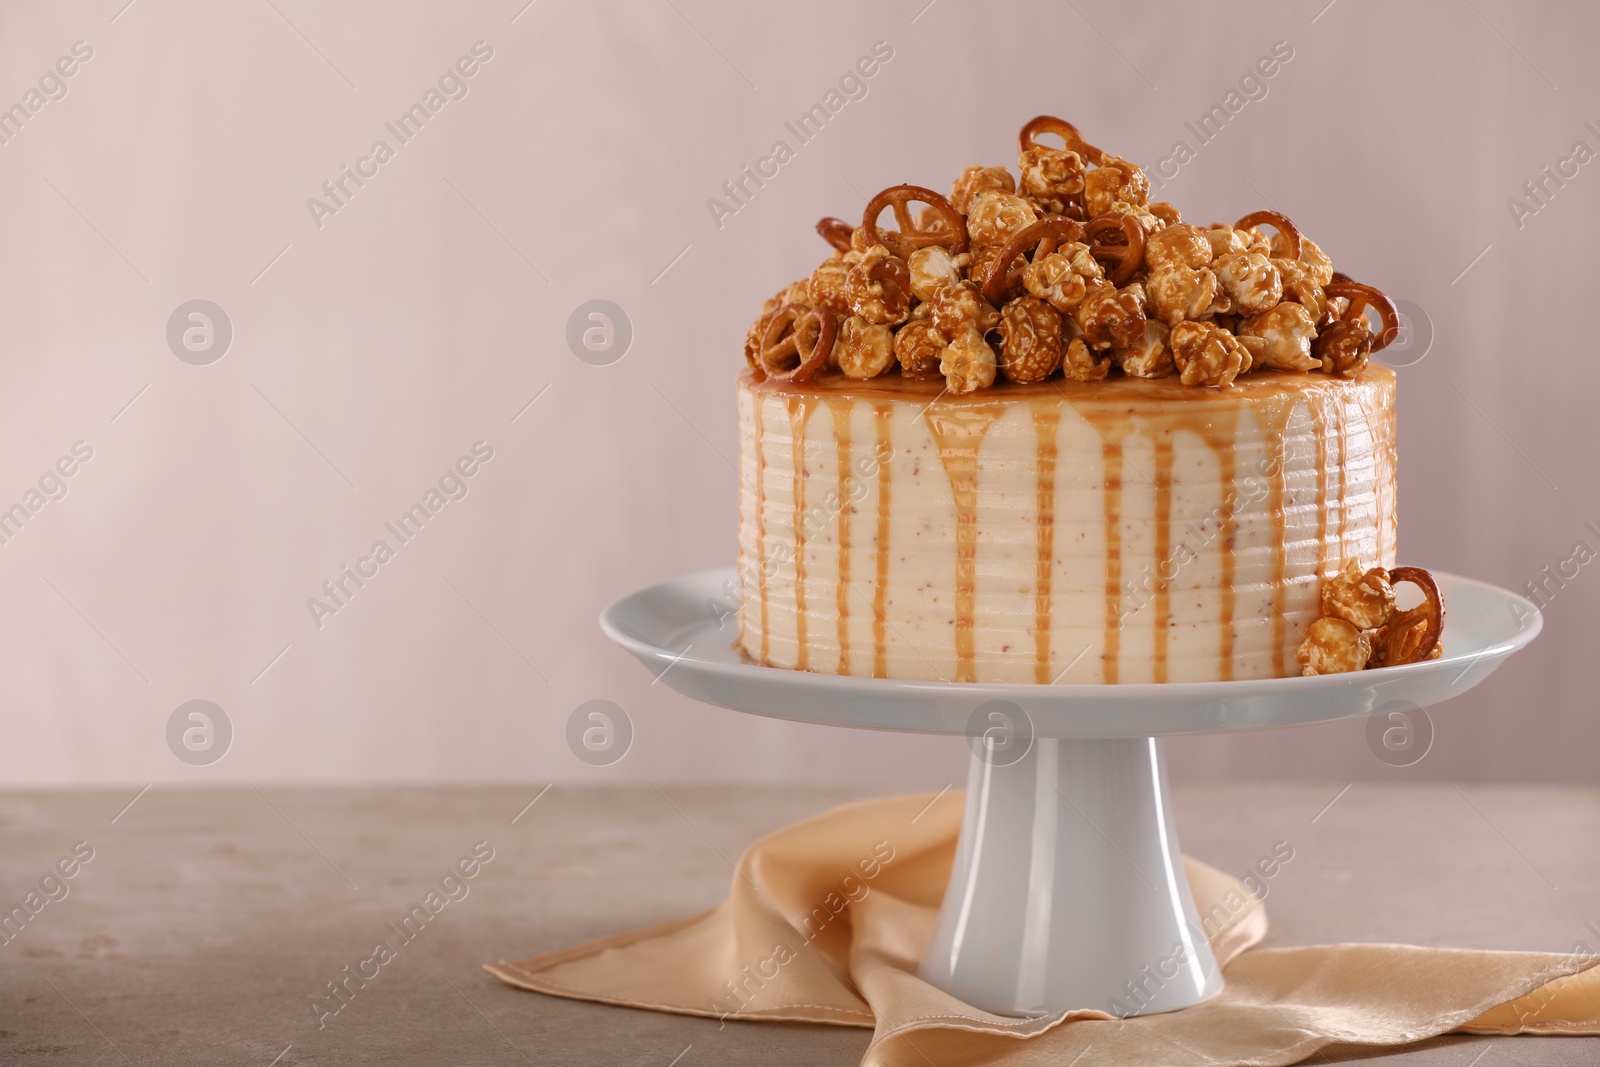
[(1360, 626), (1067, 269)]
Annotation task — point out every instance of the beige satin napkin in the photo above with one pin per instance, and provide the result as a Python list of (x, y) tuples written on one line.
[(828, 919)]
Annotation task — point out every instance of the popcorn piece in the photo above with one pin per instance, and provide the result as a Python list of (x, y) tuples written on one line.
[(1177, 246), (955, 307), (1149, 356), (967, 363), (976, 180), (1344, 346), (1333, 646), (1315, 261), (1110, 317), (753, 338), (1206, 354), (879, 287), (1250, 280), (1178, 293), (917, 347), (826, 288), (1030, 340), (1167, 213), (863, 349), (1288, 330), (1300, 286), (1079, 363), (1365, 601), (1063, 277), (996, 216), (1115, 181), (794, 293), (933, 268), (1050, 173)]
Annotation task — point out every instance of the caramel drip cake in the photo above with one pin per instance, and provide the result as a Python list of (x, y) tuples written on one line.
[(1047, 432)]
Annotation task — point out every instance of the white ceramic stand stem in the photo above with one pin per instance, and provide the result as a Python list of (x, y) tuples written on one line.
[(1068, 889)]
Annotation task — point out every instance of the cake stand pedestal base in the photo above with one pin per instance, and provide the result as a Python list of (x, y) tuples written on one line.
[(1068, 886)]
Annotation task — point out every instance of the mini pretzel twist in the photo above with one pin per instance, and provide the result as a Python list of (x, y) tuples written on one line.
[(1062, 129), (1280, 222), (836, 232), (1120, 258), (1395, 646), (1362, 297), (1044, 236), (796, 342), (909, 238)]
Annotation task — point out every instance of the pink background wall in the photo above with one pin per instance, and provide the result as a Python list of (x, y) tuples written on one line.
[(374, 346)]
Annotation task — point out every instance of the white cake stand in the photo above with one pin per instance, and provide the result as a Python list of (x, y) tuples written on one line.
[(1068, 888)]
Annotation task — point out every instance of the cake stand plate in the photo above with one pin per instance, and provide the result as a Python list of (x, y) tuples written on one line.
[(1068, 888)]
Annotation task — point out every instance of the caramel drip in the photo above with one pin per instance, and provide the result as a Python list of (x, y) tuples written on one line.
[(840, 408), (959, 433), (1342, 425), (1111, 464), (799, 412), (1224, 442), (881, 416), (1274, 416), (1163, 520), (1046, 424), (761, 524), (1319, 423)]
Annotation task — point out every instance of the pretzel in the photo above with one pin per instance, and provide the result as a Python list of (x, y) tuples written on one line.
[(804, 335), (1361, 298), (1280, 222), (1062, 129), (1126, 254), (1045, 236), (1389, 649), (908, 239), (836, 232)]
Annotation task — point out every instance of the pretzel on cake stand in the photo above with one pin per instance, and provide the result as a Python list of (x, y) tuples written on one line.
[(1043, 237), (952, 232), (796, 341)]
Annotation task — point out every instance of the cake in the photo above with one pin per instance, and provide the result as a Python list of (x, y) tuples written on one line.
[(1049, 432)]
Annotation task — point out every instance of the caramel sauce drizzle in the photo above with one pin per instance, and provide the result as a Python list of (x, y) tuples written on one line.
[(761, 524), (1225, 443), (881, 416), (1319, 422), (840, 408), (1046, 424), (1163, 519), (1274, 416), (959, 432), (1111, 465), (799, 413)]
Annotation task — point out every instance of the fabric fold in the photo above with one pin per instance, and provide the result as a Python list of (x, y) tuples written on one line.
[(827, 920)]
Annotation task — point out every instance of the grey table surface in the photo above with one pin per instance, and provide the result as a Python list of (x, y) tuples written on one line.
[(209, 922)]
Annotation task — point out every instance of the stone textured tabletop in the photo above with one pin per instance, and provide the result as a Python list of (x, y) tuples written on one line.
[(207, 924)]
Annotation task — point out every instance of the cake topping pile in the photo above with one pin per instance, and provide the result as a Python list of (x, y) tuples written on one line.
[(1360, 626), (1068, 269)]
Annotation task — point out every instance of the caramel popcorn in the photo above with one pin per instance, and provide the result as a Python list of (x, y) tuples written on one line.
[(827, 285), (1149, 356), (917, 348), (1112, 318), (1287, 331), (1177, 246), (955, 307), (976, 180), (1362, 603), (1343, 347), (879, 287), (1079, 364), (933, 268), (1063, 277), (1115, 284), (1114, 181), (1252, 283), (1206, 354), (1363, 600), (1333, 646), (968, 362), (863, 349), (1178, 293), (996, 216), (1051, 174), (1030, 340)]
